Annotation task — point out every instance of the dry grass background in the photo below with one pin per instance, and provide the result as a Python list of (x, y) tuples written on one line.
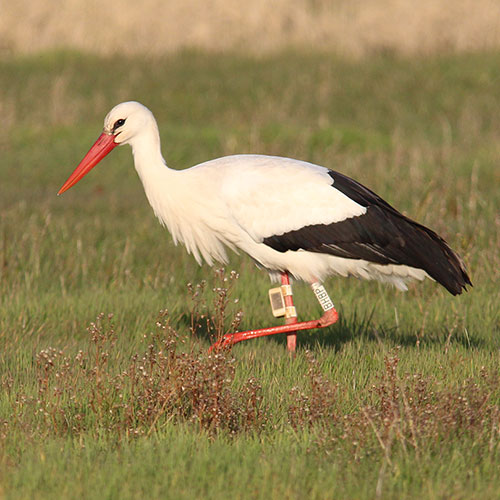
[(349, 27)]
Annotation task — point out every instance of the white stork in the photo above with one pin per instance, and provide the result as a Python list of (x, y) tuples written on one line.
[(290, 216)]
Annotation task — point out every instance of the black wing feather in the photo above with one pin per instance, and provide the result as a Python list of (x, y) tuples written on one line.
[(382, 235)]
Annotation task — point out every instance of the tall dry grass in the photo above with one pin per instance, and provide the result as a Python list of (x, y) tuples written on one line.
[(349, 27)]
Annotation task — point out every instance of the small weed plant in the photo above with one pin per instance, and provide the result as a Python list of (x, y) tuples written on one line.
[(175, 380)]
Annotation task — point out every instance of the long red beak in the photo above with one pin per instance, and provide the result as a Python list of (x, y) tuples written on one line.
[(104, 145)]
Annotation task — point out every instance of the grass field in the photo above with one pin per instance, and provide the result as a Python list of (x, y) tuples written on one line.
[(400, 399)]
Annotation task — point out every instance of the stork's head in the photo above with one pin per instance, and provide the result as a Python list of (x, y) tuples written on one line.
[(127, 120), (124, 123)]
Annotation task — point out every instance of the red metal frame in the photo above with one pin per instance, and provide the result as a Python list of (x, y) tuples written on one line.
[(290, 327)]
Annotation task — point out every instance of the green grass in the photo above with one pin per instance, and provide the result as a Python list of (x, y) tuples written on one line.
[(349, 420)]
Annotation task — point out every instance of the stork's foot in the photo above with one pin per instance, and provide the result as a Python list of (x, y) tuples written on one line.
[(328, 318), (291, 327)]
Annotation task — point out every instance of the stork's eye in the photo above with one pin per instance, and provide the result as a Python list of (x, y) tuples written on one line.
[(118, 123)]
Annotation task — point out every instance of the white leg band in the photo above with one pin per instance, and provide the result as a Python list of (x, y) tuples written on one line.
[(322, 296)]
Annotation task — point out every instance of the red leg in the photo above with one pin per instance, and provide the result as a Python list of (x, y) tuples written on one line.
[(330, 316), (290, 315)]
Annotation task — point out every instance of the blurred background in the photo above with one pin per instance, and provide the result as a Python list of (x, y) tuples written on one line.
[(401, 95), (349, 27)]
